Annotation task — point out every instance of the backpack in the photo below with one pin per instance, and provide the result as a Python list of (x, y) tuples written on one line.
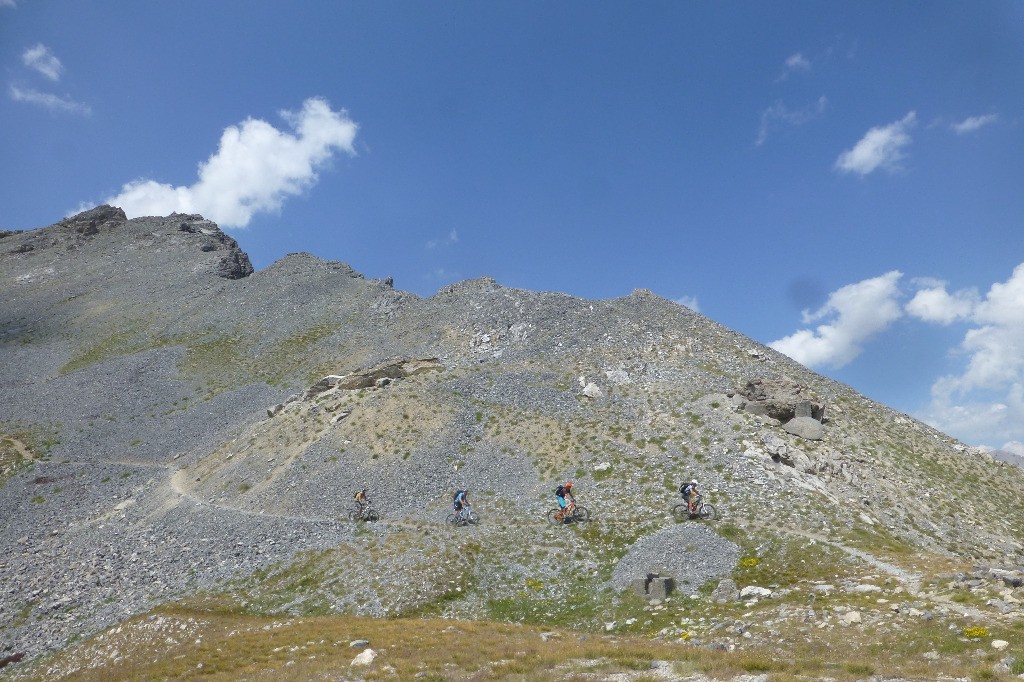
[(560, 491)]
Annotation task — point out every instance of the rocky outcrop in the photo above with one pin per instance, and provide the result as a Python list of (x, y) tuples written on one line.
[(378, 376), (787, 401), (235, 263), (781, 399), (398, 368), (89, 223)]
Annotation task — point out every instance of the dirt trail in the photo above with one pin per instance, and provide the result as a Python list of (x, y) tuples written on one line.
[(911, 579), (19, 447)]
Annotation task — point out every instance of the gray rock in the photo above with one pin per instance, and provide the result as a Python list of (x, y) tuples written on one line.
[(726, 591), (779, 399), (805, 427)]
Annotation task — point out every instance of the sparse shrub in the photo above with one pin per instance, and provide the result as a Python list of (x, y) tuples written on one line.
[(975, 632), (757, 665)]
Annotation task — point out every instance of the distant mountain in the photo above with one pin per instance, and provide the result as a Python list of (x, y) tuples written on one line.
[(174, 423), (1007, 456)]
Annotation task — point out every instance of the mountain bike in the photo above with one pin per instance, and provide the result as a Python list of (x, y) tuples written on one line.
[(573, 513), (463, 518), (701, 510), (363, 513)]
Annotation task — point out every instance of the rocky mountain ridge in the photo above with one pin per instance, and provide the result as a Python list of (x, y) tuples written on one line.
[(176, 422)]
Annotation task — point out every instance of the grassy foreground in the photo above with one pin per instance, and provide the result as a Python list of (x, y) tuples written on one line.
[(205, 641)]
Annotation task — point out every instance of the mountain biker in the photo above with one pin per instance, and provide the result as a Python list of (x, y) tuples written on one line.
[(560, 494), (460, 500), (362, 499), (690, 494)]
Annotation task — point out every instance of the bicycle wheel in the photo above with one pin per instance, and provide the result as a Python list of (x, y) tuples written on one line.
[(681, 511), (372, 515), (707, 511), (551, 517), (471, 517), (353, 515), (581, 514), (451, 518)]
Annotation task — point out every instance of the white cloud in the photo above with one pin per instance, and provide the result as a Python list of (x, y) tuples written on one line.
[(39, 58), (879, 148), (689, 302), (48, 101), (793, 64), (969, 125), (985, 402), (778, 112), (857, 312), (935, 304), (254, 169), (798, 62), (1016, 447), (976, 421), (8, 3)]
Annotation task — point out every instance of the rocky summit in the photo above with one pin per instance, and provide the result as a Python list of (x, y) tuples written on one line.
[(178, 430)]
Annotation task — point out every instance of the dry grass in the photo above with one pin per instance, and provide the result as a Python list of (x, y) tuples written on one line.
[(205, 641)]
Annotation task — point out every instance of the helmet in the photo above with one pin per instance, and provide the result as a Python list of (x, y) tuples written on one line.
[(568, 484), (693, 481)]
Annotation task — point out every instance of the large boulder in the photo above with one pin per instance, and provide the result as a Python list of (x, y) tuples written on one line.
[(781, 399), (805, 427)]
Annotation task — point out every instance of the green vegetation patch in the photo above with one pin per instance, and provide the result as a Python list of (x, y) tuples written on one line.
[(126, 339), (20, 444), (224, 361)]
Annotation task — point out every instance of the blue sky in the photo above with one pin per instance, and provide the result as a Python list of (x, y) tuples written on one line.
[(842, 180)]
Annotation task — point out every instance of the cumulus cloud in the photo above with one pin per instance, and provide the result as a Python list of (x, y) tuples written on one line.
[(935, 304), (880, 147), (977, 421), (969, 125), (780, 113), (48, 100), (254, 169), (855, 313), (39, 58), (986, 400), (8, 3)]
